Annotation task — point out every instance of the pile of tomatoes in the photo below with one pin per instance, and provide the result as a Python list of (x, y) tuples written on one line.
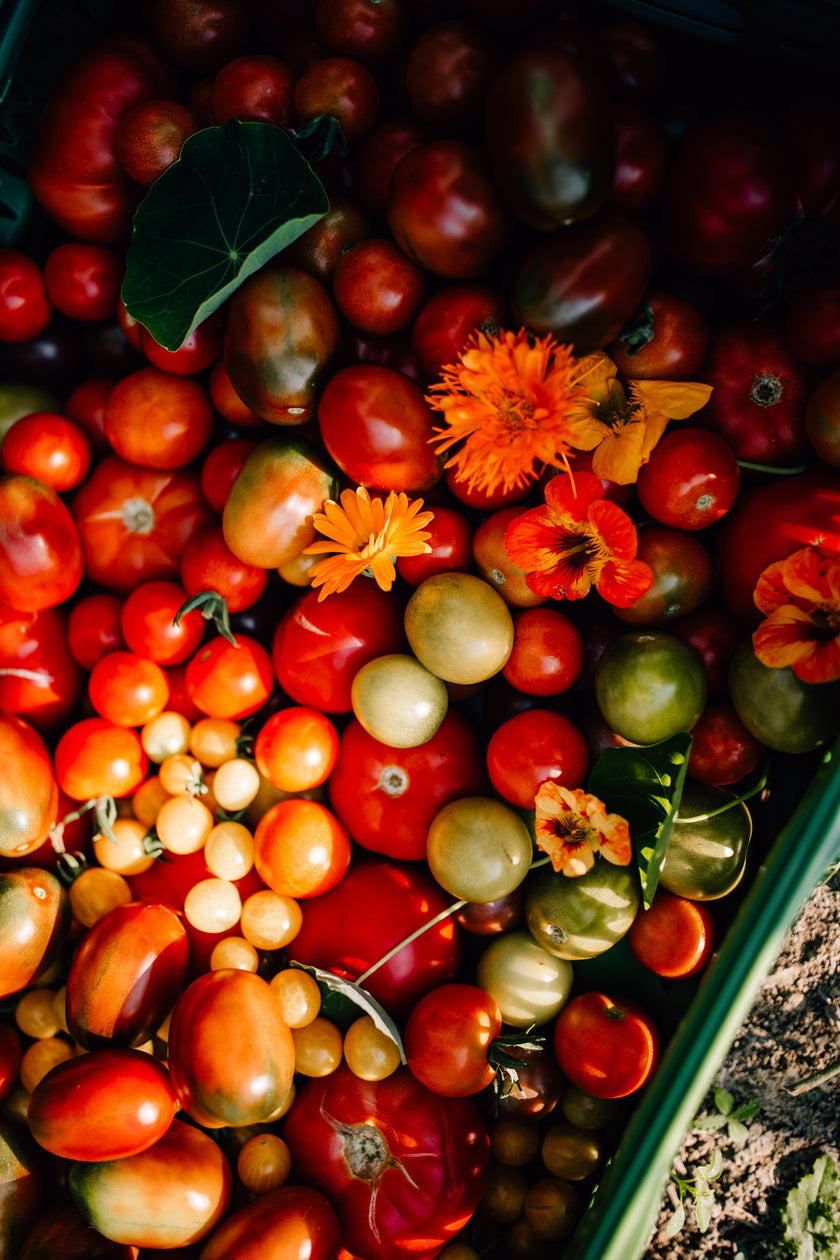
[(272, 985)]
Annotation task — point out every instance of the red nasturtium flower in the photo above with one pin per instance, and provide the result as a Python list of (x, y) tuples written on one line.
[(366, 535), (572, 826), (578, 540), (506, 403), (800, 600)]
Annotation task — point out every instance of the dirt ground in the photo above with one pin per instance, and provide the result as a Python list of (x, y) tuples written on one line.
[(787, 1037)]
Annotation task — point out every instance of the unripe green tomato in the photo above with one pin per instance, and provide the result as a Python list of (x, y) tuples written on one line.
[(459, 627), (529, 985), (581, 916), (649, 686), (779, 709), (398, 701), (478, 849), (706, 860)]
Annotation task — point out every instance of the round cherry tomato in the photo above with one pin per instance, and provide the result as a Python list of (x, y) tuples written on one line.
[(83, 281), (94, 757), (86, 405), (200, 35), (93, 627), (446, 321), (691, 479), (547, 655), (208, 564), (157, 419), (377, 287), (609, 1048), (41, 560), (221, 464), (127, 689), (150, 137), (25, 310), (448, 1037), (340, 88), (532, 747), (666, 340), (683, 572), (147, 621), (400, 1188), (300, 848), (230, 680), (48, 447), (36, 916), (255, 87), (674, 937), (722, 749), (197, 351), (296, 749)]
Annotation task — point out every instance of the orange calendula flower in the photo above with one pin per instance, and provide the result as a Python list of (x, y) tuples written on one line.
[(578, 540), (800, 599), (367, 535), (572, 826), (622, 426), (506, 403)]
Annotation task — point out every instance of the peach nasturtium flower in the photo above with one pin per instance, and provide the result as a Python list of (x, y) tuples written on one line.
[(578, 540), (572, 826), (800, 600), (366, 535), (622, 424), (506, 403)]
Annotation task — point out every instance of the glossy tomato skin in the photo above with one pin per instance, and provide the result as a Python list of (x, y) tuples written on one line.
[(231, 1054), (341, 88), (126, 975), (667, 340), (722, 749), (35, 917), (41, 560), (95, 757), (378, 156), (447, 1038), (83, 280), (387, 797), (448, 73), (606, 1047), (376, 425), (548, 653), (230, 680), (449, 317), (377, 287), (691, 479), (641, 158), (532, 747), (169, 1196), (25, 310), (318, 647), (404, 1203), (28, 789), (683, 573), (107, 1104), (150, 137), (340, 934), (292, 1220)]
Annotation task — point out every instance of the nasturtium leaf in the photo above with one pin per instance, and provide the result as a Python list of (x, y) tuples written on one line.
[(329, 984), (645, 785), (236, 196)]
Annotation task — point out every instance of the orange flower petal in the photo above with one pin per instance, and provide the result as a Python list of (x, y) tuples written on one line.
[(770, 591), (616, 528), (619, 456), (786, 636), (676, 400), (810, 575), (622, 584), (821, 665)]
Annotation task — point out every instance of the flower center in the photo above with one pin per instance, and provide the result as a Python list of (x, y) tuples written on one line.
[(515, 411), (570, 828)]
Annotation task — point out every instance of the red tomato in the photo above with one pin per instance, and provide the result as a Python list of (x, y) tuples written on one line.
[(495, 565), (40, 678), (447, 1039), (208, 564), (41, 561), (127, 689), (376, 425), (377, 288), (157, 419), (341, 88), (28, 788), (321, 248), (135, 522), (147, 620), (641, 158), (372, 33), (691, 479), (447, 320), (722, 749), (318, 647), (227, 680), (83, 281), (404, 1168), (387, 797), (290, 1221), (253, 88), (666, 340), (531, 747), (683, 572), (341, 936), (48, 447), (450, 539), (547, 655), (714, 634), (36, 917), (296, 749), (150, 136), (448, 74), (378, 156), (200, 35), (609, 1048), (86, 405), (674, 937), (94, 757), (197, 351), (108, 1104), (25, 310), (220, 468)]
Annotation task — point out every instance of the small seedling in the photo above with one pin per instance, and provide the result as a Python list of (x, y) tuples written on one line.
[(811, 1215), (734, 1121), (699, 1187)]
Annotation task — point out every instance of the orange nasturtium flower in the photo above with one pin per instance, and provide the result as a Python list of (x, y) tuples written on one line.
[(578, 540), (622, 425), (800, 599), (367, 535), (572, 826), (506, 403)]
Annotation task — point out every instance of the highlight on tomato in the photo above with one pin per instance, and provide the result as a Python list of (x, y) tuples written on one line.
[(605, 1046)]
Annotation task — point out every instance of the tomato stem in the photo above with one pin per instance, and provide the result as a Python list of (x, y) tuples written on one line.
[(738, 800), (766, 468), (444, 914)]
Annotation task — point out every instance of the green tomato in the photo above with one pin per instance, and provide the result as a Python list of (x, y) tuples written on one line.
[(398, 701), (528, 984), (779, 709), (581, 916), (705, 860), (650, 686), (459, 627), (478, 849)]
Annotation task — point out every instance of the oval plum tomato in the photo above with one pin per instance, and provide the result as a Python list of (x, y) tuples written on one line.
[(666, 340), (674, 937), (447, 1039), (208, 564), (40, 678), (339, 935), (93, 627), (127, 689), (126, 975), (532, 747), (683, 572), (108, 1104), (641, 158), (547, 655), (41, 560), (48, 447), (83, 281), (95, 757), (296, 749), (169, 1196), (377, 288), (226, 400), (147, 621), (760, 391), (609, 1048), (450, 539), (400, 1189), (722, 749), (150, 137), (767, 523), (230, 680), (290, 1220), (220, 468), (376, 425), (135, 522), (387, 797), (448, 73), (157, 419), (36, 916), (25, 310), (340, 88), (319, 646), (197, 351), (300, 848), (822, 420), (444, 210), (378, 156), (231, 1054), (28, 791), (255, 87), (449, 317), (691, 479)]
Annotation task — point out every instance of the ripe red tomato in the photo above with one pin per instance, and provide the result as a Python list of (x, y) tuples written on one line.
[(691, 479), (641, 158), (378, 156), (531, 747), (94, 757), (86, 405), (48, 447), (674, 937), (147, 621), (450, 539), (300, 848), (449, 317), (208, 564), (822, 419), (227, 402), (812, 321), (25, 310), (666, 340), (83, 281), (683, 572), (404, 1168), (448, 74), (220, 468), (715, 635), (197, 351), (41, 560), (722, 750), (157, 419), (292, 1220), (387, 797), (340, 88), (227, 680), (127, 689), (447, 1038), (377, 288), (296, 749), (547, 655), (609, 1048), (150, 136), (28, 791), (372, 33), (255, 87), (40, 678)]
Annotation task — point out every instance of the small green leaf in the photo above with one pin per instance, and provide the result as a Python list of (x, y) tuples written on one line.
[(703, 1208), (236, 196), (352, 992), (723, 1101), (712, 1170), (710, 1124), (747, 1110), (644, 785), (737, 1132), (676, 1221)]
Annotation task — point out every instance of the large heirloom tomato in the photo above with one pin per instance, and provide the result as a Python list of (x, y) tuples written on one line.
[(28, 788), (34, 920), (404, 1167), (41, 562), (40, 678)]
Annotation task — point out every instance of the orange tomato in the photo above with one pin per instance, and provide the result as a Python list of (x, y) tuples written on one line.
[(607, 1047), (296, 749), (300, 848), (674, 937), (94, 757), (226, 680)]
